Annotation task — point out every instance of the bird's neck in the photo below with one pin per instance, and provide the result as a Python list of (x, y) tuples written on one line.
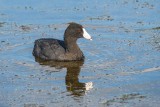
[(71, 45)]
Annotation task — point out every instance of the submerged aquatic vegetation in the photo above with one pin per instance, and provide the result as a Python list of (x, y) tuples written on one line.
[(109, 18), (124, 98), (156, 28), (2, 24)]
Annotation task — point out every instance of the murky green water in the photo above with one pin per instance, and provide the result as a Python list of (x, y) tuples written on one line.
[(122, 65)]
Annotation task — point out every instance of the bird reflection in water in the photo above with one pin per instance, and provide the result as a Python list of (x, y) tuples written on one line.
[(71, 79)]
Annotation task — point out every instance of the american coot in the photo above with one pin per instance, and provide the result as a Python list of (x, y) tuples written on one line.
[(58, 50)]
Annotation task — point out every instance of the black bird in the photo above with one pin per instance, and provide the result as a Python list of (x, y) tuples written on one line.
[(58, 50)]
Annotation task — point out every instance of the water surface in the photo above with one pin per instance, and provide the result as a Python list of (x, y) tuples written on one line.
[(122, 65)]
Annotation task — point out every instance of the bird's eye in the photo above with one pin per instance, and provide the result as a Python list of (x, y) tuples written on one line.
[(78, 30)]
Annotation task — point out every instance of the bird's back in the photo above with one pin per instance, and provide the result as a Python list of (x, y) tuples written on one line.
[(49, 49)]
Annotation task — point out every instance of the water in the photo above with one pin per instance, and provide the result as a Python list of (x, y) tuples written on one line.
[(122, 62)]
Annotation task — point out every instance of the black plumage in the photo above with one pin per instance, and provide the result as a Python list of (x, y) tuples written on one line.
[(58, 50)]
